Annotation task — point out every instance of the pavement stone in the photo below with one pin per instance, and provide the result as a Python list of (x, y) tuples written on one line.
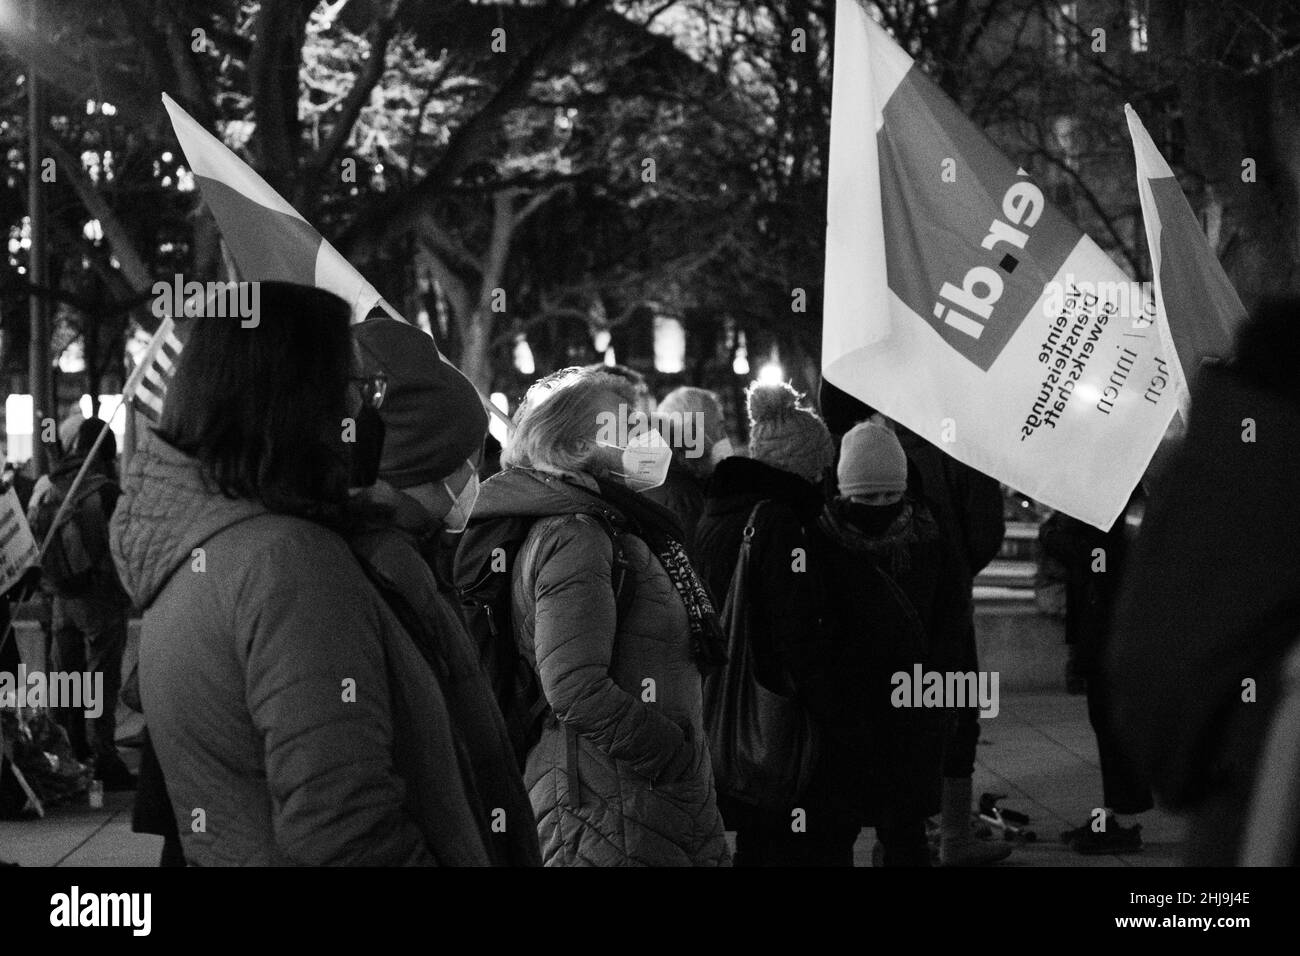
[(1039, 751)]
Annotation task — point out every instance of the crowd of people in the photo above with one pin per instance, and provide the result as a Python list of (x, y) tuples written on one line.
[(361, 644)]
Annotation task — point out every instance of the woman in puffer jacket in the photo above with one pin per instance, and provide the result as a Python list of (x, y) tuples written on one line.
[(294, 721), (621, 775)]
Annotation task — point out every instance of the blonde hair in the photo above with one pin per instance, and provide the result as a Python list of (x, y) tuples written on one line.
[(555, 426)]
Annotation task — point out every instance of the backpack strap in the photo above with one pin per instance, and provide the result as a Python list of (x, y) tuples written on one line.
[(624, 590), (619, 578)]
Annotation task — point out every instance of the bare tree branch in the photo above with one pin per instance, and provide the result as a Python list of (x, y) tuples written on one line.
[(468, 142), (381, 34), (119, 240)]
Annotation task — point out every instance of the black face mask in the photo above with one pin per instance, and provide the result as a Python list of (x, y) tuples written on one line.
[(368, 448), (873, 519)]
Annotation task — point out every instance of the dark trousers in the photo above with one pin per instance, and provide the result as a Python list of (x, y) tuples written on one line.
[(90, 636), (1124, 788), (773, 844), (904, 843), (964, 729)]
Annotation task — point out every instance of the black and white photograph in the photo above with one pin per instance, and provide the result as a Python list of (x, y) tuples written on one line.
[(723, 434)]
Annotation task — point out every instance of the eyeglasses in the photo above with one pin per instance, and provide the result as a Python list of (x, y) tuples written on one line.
[(371, 388)]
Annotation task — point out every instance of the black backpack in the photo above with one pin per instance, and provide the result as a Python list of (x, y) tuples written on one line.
[(480, 575), (79, 549)]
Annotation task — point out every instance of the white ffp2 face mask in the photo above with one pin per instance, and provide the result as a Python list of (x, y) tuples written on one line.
[(462, 505), (643, 461)]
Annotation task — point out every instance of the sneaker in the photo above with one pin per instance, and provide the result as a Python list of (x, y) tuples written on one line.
[(972, 852), (115, 776), (1113, 839)]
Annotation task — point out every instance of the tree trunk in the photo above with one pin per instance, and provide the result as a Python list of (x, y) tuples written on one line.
[(1243, 140)]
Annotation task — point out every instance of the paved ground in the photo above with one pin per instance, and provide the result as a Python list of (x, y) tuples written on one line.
[(1039, 751)]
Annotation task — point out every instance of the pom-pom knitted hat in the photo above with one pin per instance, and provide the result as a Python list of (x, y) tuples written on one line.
[(786, 433)]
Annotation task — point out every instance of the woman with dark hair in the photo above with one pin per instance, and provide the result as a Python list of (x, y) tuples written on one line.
[(294, 721)]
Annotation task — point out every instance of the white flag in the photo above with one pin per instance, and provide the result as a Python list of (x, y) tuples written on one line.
[(961, 304)]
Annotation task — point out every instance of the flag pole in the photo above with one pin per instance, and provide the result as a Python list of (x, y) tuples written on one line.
[(128, 391), (72, 490)]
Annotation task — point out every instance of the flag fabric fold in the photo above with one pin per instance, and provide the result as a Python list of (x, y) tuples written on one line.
[(1195, 300), (147, 386), (961, 304), (266, 236)]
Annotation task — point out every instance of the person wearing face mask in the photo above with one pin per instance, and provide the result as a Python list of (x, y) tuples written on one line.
[(692, 422), (967, 506), (779, 490), (889, 593), (291, 714), (617, 625), (414, 480)]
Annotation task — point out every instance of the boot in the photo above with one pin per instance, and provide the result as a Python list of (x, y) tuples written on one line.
[(957, 844)]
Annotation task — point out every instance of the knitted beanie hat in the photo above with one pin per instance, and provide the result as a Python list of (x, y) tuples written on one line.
[(871, 460), (787, 434), (433, 418)]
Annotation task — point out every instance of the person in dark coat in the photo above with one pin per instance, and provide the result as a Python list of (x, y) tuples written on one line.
[(90, 628), (1094, 565), (692, 422), (967, 506), (294, 720), (792, 637), (889, 592), (1210, 604), (427, 483)]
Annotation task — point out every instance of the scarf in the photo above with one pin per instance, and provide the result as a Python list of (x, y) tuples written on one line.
[(662, 532), (887, 533)]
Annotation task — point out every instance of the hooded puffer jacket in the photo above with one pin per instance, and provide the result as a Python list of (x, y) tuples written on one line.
[(294, 720), (619, 777)]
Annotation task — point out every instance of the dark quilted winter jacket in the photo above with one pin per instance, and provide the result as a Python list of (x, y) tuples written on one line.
[(255, 627), (644, 792)]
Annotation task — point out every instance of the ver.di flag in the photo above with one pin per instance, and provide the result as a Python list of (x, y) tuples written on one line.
[(959, 303), (1195, 300)]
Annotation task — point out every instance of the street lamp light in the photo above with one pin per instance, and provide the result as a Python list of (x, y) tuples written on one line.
[(771, 374)]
